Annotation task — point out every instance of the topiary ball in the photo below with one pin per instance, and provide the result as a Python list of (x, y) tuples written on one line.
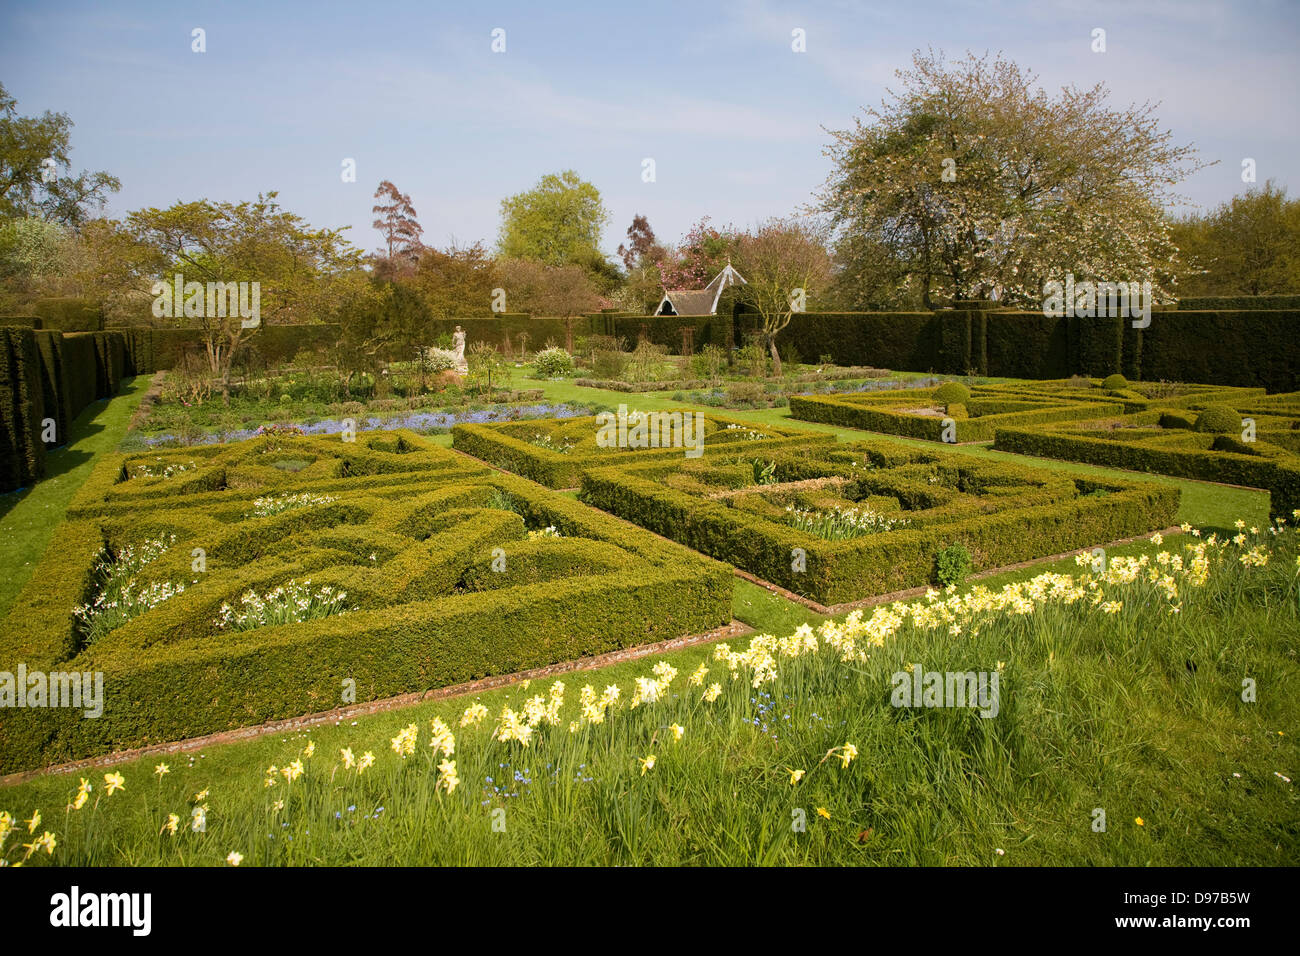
[(1218, 420), (952, 393), (1114, 383)]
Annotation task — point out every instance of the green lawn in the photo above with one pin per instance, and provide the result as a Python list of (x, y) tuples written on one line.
[(29, 516), (1138, 714)]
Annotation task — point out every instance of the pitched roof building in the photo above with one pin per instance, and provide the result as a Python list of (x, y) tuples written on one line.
[(699, 301)]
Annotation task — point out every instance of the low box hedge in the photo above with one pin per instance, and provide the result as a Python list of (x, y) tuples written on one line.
[(1162, 442), (513, 445), (409, 536), (891, 412), (1002, 513)]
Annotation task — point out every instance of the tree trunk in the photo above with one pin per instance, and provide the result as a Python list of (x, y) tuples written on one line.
[(776, 356)]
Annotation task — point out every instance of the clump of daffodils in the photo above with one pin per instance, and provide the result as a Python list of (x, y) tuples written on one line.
[(119, 596), (290, 603), (159, 469), (274, 505)]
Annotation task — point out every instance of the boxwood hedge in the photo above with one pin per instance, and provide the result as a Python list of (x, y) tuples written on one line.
[(1165, 442), (920, 413)]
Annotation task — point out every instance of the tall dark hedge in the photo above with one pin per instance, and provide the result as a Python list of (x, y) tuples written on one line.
[(22, 407)]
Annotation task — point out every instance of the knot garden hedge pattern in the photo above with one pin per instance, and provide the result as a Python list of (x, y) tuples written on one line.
[(921, 413), (448, 572), (555, 453), (1259, 449), (845, 522)]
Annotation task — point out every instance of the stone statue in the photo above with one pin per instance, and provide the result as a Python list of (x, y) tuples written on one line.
[(458, 349)]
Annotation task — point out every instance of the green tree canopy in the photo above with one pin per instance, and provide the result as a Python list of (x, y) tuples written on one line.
[(35, 169), (557, 222), (1249, 246)]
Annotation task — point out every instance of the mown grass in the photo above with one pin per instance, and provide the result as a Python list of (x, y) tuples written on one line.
[(29, 516), (1138, 713)]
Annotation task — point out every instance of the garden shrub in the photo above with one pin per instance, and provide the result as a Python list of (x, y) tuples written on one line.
[(553, 362), (952, 393), (440, 360), (1114, 383), (1218, 419), (953, 565)]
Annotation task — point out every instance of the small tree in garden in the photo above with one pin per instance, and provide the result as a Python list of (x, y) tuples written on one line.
[(784, 262), (304, 274), (488, 368), (456, 282), (701, 255)]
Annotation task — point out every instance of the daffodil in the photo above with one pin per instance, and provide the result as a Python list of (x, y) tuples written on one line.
[(677, 730), (647, 763), (823, 812), (234, 859), (113, 782), (795, 776), (447, 778), (162, 770), (173, 821)]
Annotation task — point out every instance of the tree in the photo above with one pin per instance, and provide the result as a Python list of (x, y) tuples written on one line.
[(641, 245), (31, 151), (303, 274), (456, 281), (557, 222), (107, 262), (1249, 246), (784, 263), (978, 183), (399, 227), (701, 255), (563, 291)]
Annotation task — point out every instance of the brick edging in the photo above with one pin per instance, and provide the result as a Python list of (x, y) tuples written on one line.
[(734, 629)]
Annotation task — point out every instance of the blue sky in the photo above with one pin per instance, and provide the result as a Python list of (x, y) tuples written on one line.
[(712, 92)]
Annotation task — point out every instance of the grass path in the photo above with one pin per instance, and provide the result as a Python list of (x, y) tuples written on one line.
[(29, 516)]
